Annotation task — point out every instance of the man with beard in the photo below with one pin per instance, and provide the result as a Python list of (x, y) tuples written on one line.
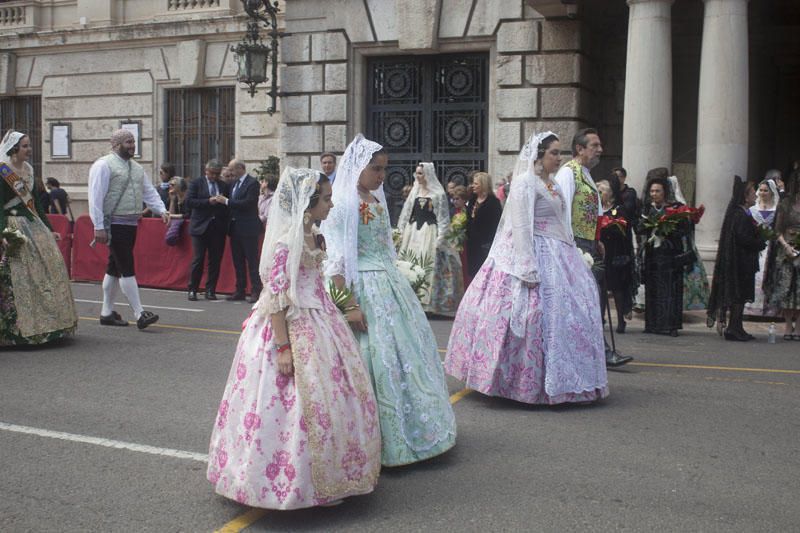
[(583, 207), (117, 187)]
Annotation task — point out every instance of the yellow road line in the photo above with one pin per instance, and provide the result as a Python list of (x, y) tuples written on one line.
[(711, 367), (458, 395), (242, 521), (184, 328)]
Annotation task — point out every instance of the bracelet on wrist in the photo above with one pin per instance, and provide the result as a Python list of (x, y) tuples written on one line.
[(283, 347)]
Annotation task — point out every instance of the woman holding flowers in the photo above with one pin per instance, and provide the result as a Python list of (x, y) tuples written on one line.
[(617, 237), (397, 343), (763, 212), (36, 303), (529, 326), (297, 426), (733, 284), (665, 258), (784, 287), (423, 224)]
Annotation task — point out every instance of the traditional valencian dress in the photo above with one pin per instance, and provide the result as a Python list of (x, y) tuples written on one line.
[(287, 442), (529, 325), (423, 224), (763, 217), (400, 350), (36, 304)]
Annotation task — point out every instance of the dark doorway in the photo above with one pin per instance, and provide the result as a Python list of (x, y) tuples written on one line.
[(428, 109)]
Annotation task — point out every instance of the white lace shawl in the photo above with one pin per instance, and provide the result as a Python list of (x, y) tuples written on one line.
[(341, 227), (285, 228)]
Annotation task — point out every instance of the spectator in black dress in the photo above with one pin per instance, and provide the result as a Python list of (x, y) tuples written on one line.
[(59, 201), (735, 269), (619, 251), (483, 216)]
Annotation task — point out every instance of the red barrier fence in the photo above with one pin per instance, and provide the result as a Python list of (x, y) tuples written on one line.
[(61, 225), (157, 265)]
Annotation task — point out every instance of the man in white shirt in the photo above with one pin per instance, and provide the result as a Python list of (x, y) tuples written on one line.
[(583, 207), (117, 187)]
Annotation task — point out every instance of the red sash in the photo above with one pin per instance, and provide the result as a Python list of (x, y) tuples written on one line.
[(19, 187)]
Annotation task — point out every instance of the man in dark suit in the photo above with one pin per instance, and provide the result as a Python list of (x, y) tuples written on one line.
[(244, 229), (207, 227)]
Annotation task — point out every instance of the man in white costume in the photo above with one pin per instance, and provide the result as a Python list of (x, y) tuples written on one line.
[(117, 187)]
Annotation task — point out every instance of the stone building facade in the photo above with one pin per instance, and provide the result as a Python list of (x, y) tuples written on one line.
[(705, 87), (165, 64)]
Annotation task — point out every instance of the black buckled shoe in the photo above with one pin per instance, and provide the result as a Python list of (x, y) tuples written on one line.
[(211, 295), (114, 319), (236, 297), (192, 296), (145, 319)]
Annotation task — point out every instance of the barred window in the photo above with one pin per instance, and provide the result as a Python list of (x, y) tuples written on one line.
[(24, 114), (200, 126)]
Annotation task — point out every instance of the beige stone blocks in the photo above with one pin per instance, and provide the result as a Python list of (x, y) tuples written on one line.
[(257, 125), (257, 149), (98, 85), (487, 14), (508, 70), (416, 25), (329, 108), (564, 129), (191, 62), (295, 108), (561, 35), (8, 73), (553, 68), (301, 78), (328, 47), (507, 136), (336, 77), (295, 48), (522, 36), (134, 105), (516, 103), (301, 139), (335, 138), (560, 102)]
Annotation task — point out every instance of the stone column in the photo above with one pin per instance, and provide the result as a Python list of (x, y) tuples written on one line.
[(722, 123), (647, 120)]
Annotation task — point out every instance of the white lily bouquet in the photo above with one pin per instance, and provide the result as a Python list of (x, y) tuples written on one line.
[(416, 270)]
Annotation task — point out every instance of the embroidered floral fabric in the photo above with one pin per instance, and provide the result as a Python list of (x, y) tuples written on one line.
[(538, 343), (287, 442), (416, 417)]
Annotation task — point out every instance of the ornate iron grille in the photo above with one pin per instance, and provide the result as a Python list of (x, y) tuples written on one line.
[(200, 126), (428, 109), (24, 114)]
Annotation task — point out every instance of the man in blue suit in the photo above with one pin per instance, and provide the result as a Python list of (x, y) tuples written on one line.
[(245, 229), (207, 227)]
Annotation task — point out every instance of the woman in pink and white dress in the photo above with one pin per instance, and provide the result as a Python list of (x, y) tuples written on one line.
[(298, 423), (529, 327)]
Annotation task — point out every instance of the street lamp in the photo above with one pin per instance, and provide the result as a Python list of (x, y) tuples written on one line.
[(253, 55)]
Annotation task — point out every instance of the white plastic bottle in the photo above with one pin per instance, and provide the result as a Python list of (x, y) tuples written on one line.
[(771, 334)]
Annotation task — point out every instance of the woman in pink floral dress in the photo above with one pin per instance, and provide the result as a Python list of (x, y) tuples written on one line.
[(297, 426), (528, 327)]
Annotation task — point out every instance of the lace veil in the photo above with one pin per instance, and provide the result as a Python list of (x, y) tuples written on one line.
[(438, 197), (289, 203), (10, 140), (516, 222), (677, 194), (341, 226)]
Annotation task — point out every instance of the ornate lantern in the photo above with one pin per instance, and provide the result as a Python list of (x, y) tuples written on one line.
[(253, 56)]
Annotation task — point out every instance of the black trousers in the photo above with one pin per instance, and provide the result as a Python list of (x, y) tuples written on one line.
[(211, 243), (244, 251), (120, 251)]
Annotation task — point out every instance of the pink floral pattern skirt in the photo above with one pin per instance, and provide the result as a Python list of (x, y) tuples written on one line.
[(288, 442), (538, 345)]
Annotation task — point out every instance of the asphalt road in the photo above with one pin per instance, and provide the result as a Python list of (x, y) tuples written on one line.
[(108, 432)]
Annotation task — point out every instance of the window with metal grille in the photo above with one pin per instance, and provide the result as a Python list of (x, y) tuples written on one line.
[(200, 126), (24, 114)]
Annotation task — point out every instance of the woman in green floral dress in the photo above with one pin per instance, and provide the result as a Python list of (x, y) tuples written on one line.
[(396, 341)]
